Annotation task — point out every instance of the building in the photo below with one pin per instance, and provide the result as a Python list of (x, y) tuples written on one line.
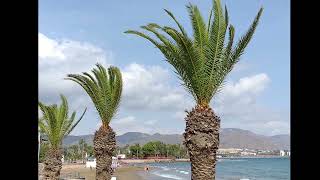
[(247, 153), (288, 153), (229, 151), (91, 162), (114, 164), (121, 156), (282, 153)]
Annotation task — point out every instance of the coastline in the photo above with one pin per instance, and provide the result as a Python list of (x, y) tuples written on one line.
[(138, 161), (133, 169)]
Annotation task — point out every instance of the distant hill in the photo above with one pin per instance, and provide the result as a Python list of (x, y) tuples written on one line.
[(229, 138), (238, 138)]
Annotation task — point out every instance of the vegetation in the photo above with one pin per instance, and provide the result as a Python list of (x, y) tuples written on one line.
[(154, 149), (44, 147), (104, 89), (55, 124), (75, 152), (202, 63)]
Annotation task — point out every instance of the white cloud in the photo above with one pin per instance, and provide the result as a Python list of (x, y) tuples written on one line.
[(149, 88), (57, 58), (49, 48), (252, 85), (238, 108), (131, 124), (180, 115), (124, 121)]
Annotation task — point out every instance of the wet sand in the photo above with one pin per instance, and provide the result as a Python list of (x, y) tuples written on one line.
[(122, 173)]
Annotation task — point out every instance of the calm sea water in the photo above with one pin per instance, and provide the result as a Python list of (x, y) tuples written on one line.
[(227, 169)]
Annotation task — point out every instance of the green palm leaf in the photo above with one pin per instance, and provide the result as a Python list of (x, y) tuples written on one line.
[(202, 62), (55, 122), (104, 88)]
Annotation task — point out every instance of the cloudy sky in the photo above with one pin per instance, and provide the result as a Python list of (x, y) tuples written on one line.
[(76, 34)]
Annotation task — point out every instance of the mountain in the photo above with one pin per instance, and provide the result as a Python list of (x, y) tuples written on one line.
[(71, 140), (238, 138), (282, 139), (229, 138)]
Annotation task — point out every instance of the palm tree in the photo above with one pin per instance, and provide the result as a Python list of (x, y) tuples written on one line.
[(55, 124), (81, 146), (202, 63), (105, 90)]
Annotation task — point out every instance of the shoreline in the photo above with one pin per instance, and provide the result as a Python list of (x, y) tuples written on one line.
[(138, 161), (133, 169)]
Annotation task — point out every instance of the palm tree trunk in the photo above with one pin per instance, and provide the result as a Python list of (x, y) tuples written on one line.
[(52, 164), (104, 145), (202, 141)]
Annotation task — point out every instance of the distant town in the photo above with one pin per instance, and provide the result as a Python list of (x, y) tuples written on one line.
[(235, 152)]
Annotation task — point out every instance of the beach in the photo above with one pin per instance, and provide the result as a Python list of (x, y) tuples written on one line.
[(135, 161), (122, 173), (128, 169), (227, 168)]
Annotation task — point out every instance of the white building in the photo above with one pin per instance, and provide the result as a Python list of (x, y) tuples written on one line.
[(62, 159), (114, 162), (91, 163), (288, 153), (282, 153), (121, 156), (229, 151), (246, 153)]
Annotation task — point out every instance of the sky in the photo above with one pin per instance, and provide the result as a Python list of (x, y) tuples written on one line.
[(74, 35)]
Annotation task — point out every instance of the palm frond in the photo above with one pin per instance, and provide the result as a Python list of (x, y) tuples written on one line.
[(201, 62), (244, 40), (55, 122), (104, 88)]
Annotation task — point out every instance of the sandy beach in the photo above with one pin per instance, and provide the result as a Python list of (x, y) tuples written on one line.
[(122, 173), (130, 161)]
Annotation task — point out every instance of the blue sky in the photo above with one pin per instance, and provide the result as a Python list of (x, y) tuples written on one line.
[(75, 34)]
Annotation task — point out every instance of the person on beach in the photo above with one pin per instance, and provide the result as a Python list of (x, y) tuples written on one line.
[(146, 168)]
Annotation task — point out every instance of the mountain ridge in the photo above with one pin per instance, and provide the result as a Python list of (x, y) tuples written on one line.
[(229, 138)]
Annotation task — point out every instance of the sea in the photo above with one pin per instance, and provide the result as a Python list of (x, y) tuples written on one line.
[(226, 169)]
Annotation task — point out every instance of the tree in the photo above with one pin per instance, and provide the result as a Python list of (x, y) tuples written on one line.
[(82, 150), (74, 152), (135, 150), (148, 149), (44, 147), (202, 63), (55, 123), (104, 89), (89, 150), (173, 150)]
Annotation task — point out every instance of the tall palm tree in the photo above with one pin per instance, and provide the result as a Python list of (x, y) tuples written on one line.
[(55, 123), (104, 89), (202, 63), (81, 146)]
